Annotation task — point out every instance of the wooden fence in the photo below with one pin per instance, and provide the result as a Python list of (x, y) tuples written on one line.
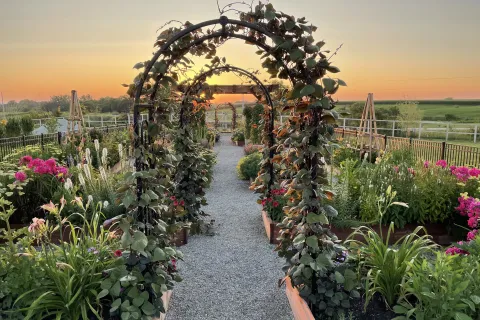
[(425, 150), (9, 145)]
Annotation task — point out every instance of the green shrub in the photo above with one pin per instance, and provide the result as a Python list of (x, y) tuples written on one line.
[(13, 128), (447, 287), (248, 167), (238, 135), (344, 153), (27, 125)]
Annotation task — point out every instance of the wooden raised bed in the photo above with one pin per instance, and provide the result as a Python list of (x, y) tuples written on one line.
[(270, 228), (299, 307), (437, 231), (166, 301), (240, 143)]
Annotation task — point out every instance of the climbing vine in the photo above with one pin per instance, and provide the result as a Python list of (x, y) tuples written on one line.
[(310, 248)]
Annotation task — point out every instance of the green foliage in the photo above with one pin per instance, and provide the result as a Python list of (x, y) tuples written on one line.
[(249, 166), (447, 287), (346, 192), (384, 268), (344, 153), (247, 113), (27, 125), (52, 125), (256, 129), (50, 150), (13, 128), (238, 135)]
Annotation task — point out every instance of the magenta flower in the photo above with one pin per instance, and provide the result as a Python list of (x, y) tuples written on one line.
[(396, 169), (474, 172), (454, 250), (20, 176), (471, 235), (441, 163), (51, 163), (452, 168), (25, 159), (426, 164)]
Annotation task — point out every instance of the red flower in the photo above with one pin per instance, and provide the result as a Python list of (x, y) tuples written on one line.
[(117, 253), (182, 203), (175, 203), (275, 204), (173, 198), (269, 199)]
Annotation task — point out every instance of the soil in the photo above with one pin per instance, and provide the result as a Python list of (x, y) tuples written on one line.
[(376, 310)]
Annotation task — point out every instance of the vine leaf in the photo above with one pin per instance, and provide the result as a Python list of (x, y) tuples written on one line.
[(307, 90), (341, 82), (296, 55), (139, 65), (329, 84)]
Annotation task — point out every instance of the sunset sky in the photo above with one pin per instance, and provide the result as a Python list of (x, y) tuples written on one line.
[(408, 49)]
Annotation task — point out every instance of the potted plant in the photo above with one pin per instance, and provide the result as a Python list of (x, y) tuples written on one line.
[(238, 138), (272, 213)]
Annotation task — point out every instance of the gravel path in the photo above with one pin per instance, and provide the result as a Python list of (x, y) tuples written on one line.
[(232, 275)]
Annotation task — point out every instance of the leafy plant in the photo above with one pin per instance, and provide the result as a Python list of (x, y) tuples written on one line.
[(384, 267), (13, 128), (238, 135), (274, 205), (249, 166), (27, 125), (444, 288)]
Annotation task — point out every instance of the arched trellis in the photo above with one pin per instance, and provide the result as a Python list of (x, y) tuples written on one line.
[(223, 33), (197, 86)]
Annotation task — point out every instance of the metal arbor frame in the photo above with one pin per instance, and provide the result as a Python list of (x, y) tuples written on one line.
[(223, 33)]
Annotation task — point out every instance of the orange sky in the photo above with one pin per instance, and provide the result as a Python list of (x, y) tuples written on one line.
[(396, 49)]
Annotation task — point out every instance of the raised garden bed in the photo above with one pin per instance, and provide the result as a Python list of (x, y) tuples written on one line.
[(299, 307), (240, 143), (270, 228), (437, 231), (166, 301)]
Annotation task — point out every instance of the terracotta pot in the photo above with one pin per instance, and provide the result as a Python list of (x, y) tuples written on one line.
[(299, 307), (270, 228), (180, 238), (240, 143), (166, 301)]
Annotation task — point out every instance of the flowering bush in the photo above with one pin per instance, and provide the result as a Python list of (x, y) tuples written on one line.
[(274, 204), (251, 148)]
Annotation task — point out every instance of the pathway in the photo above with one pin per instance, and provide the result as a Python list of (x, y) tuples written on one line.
[(234, 274)]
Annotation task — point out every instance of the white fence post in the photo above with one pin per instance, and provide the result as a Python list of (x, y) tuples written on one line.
[(101, 121), (344, 123), (393, 129), (475, 134), (420, 130), (446, 134)]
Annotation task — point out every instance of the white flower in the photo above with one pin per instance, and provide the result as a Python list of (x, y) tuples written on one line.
[(104, 156), (87, 156), (79, 166), (105, 204), (97, 145), (103, 174), (120, 150), (90, 199), (68, 184), (81, 179), (86, 169)]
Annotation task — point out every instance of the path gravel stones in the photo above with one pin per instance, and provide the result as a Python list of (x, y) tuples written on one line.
[(232, 275)]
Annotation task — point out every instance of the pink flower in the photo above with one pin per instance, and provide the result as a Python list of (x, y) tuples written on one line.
[(36, 225), (471, 235), (441, 163), (275, 204), (182, 203), (25, 159), (426, 164), (175, 203), (20, 176), (473, 222), (51, 163), (264, 202), (117, 253), (452, 168), (474, 172), (455, 250), (172, 198), (412, 172), (395, 168)]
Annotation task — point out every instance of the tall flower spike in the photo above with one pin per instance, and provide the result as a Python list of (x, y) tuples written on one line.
[(104, 156), (97, 145)]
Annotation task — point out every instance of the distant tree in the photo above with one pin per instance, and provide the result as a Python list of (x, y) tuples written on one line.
[(409, 116), (57, 101)]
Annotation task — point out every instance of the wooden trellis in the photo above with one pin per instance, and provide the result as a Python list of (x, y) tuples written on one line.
[(368, 135), (75, 118)]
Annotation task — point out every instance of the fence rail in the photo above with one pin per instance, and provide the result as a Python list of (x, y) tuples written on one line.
[(9, 145), (432, 151)]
